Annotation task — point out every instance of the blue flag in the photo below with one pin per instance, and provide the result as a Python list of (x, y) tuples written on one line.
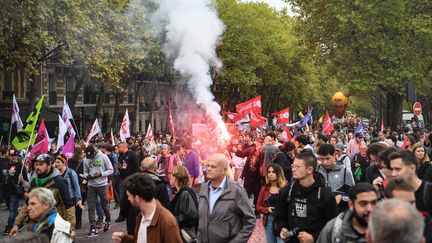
[(305, 119), (360, 129)]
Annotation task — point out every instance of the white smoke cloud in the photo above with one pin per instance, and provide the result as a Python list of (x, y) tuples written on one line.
[(192, 29)]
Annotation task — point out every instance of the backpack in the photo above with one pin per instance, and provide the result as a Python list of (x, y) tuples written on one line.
[(337, 228), (341, 160), (427, 197)]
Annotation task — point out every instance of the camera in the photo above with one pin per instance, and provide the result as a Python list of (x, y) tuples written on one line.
[(292, 233)]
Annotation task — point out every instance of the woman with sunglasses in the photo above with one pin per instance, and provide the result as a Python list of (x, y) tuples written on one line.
[(268, 197)]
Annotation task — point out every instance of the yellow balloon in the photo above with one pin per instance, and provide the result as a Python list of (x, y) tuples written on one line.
[(340, 103)]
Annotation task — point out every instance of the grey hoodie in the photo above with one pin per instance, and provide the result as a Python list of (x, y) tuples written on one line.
[(102, 164)]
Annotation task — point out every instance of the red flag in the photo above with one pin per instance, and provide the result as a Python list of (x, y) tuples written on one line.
[(382, 125), (405, 142), (251, 105), (286, 135), (232, 128), (257, 120), (171, 121), (41, 143), (327, 125), (282, 116), (234, 117)]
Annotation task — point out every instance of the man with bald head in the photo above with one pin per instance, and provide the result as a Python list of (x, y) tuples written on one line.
[(149, 167), (128, 165), (225, 213)]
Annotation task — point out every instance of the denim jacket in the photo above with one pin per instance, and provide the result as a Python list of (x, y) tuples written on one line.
[(73, 183)]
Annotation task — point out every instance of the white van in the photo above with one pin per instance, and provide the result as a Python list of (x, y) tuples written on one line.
[(407, 116)]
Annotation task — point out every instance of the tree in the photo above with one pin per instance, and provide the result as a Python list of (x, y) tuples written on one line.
[(370, 45), (108, 37), (263, 55)]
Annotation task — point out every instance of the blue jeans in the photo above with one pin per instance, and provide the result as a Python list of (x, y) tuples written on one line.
[(269, 231), (13, 202), (99, 210)]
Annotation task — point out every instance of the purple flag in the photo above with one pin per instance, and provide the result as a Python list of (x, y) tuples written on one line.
[(360, 128), (304, 121), (68, 148)]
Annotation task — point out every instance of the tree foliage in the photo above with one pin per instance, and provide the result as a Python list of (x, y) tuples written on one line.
[(108, 36), (371, 45), (263, 55)]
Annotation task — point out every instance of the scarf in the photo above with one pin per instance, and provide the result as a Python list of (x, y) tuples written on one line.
[(45, 178), (46, 222)]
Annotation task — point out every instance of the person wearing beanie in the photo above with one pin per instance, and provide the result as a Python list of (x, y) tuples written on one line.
[(47, 176), (72, 180)]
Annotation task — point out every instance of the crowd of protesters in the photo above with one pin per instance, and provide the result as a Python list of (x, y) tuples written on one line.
[(315, 188)]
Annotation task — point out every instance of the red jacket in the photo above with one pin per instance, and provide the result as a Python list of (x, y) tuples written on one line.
[(262, 203)]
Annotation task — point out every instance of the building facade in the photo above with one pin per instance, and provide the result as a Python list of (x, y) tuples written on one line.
[(54, 81)]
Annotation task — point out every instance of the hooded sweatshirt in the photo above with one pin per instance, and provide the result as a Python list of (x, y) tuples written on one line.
[(305, 208), (101, 164)]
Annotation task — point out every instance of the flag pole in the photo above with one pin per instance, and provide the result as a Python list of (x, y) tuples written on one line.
[(10, 134), (27, 153), (79, 138)]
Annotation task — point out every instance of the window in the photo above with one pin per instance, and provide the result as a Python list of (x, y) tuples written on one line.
[(52, 94), (51, 83), (107, 98), (89, 95), (70, 84)]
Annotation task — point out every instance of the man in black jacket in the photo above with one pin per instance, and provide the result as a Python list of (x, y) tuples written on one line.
[(376, 166), (305, 205), (12, 188), (285, 157), (129, 165)]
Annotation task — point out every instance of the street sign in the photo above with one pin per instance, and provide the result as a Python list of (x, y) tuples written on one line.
[(417, 109)]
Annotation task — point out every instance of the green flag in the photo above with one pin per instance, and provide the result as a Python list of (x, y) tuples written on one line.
[(24, 137)]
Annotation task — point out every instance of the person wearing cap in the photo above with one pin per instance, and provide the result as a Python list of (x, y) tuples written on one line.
[(12, 188), (354, 145), (342, 158), (97, 168), (4, 164), (165, 163), (71, 178), (49, 177)]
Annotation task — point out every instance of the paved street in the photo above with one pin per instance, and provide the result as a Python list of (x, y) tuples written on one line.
[(257, 237)]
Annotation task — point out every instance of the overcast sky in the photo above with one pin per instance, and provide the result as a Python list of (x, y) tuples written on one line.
[(277, 4)]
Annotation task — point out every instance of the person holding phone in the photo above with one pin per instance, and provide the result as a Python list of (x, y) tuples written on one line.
[(268, 197)]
